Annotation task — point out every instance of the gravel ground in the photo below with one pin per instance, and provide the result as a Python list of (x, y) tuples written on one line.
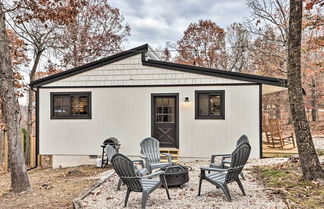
[(319, 142), (106, 196)]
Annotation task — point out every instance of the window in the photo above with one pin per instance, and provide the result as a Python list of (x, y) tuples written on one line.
[(210, 104), (165, 109), (70, 105)]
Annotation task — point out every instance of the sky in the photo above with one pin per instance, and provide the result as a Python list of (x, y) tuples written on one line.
[(159, 21)]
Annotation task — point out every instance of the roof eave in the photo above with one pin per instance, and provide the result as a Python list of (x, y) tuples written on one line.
[(89, 66), (161, 64), (219, 73)]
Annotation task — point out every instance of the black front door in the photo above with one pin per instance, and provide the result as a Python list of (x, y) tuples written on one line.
[(165, 119)]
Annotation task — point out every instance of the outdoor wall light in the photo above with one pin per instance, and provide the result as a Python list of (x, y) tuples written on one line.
[(186, 99)]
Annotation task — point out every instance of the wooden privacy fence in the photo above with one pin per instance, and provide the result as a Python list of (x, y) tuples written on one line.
[(32, 150)]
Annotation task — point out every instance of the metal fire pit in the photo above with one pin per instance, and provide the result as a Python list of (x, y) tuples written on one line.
[(176, 175)]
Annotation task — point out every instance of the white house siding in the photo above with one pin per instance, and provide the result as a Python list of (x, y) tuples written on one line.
[(125, 113), (130, 71)]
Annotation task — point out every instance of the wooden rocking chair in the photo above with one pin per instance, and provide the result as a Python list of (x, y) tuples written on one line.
[(277, 135), (266, 129)]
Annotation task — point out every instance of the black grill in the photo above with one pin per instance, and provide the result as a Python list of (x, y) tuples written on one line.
[(112, 141)]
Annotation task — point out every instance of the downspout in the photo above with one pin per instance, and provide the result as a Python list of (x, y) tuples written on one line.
[(37, 128), (260, 121)]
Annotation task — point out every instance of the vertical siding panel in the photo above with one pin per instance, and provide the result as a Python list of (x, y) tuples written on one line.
[(125, 113)]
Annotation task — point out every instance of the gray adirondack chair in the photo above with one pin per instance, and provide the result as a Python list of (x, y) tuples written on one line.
[(150, 150), (110, 152), (124, 167), (221, 177), (226, 158)]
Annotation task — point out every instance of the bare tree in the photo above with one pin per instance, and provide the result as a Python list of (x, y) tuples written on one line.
[(269, 24), (165, 52), (310, 164), (19, 58), (98, 30), (237, 40), (312, 58), (266, 57), (39, 23), (266, 15), (202, 44), (19, 178)]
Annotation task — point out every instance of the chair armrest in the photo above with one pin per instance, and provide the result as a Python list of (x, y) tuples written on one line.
[(212, 157), (139, 161), (143, 156), (213, 169), (169, 156), (222, 155), (158, 173)]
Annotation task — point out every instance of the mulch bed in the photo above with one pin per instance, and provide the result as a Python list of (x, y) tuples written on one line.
[(285, 180), (52, 188)]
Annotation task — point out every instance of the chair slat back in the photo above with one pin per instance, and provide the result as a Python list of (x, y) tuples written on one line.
[(110, 152), (150, 147), (124, 168), (265, 124), (239, 158), (242, 140), (274, 127)]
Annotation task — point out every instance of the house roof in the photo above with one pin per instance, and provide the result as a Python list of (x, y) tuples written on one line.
[(149, 59)]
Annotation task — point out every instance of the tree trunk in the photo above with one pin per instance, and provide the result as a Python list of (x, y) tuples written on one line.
[(314, 111), (310, 164), (30, 107), (313, 101), (19, 178), (1, 146), (1, 136), (290, 120), (278, 111)]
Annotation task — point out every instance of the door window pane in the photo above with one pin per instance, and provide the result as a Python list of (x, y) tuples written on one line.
[(171, 118), (158, 118), (165, 118), (165, 110), (171, 102), (165, 101), (171, 110), (158, 102), (158, 109)]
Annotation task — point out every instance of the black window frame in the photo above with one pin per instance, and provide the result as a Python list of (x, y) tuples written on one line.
[(220, 93), (87, 93)]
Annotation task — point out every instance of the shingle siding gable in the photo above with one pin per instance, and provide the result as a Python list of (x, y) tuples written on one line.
[(130, 71)]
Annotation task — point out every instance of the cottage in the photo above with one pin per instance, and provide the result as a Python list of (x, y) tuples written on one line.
[(133, 94)]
